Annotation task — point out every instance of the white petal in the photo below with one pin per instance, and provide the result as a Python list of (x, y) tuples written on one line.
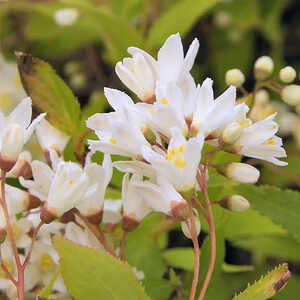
[(22, 113), (117, 99), (191, 55)]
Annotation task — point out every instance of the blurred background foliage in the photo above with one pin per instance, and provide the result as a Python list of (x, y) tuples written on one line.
[(232, 34)]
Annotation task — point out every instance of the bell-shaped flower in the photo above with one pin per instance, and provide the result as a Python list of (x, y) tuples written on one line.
[(119, 132), (135, 208), (67, 188), (15, 132), (141, 72), (50, 137), (162, 197), (258, 140), (180, 164), (91, 205)]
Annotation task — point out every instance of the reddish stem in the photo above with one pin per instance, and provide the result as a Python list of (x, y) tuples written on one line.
[(194, 236), (122, 245), (20, 282), (202, 208), (212, 234), (97, 233), (34, 236)]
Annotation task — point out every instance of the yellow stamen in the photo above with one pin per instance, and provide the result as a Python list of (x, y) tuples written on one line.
[(172, 151), (244, 124), (271, 141), (179, 162), (46, 263), (71, 181), (181, 148), (151, 110), (164, 100), (112, 140), (168, 157), (132, 70)]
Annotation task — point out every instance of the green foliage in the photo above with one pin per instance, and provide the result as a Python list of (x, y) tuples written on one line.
[(170, 23), (267, 286), (46, 291), (49, 93), (281, 206), (101, 276), (182, 258)]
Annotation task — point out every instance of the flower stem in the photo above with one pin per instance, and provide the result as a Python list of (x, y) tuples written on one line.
[(20, 282), (212, 234), (196, 253)]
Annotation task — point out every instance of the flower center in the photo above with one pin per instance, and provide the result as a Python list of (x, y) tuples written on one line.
[(271, 141), (176, 156), (112, 140), (164, 100), (46, 263)]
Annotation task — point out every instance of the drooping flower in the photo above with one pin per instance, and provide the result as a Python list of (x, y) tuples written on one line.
[(15, 132), (141, 72)]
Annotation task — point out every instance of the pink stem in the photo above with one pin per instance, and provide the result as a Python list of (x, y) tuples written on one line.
[(123, 245), (196, 253)]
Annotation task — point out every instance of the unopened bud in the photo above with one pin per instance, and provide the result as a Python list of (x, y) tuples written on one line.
[(235, 203), (66, 16), (262, 97), (263, 67), (239, 172), (287, 74), (186, 226), (234, 77), (12, 142), (231, 133), (291, 94)]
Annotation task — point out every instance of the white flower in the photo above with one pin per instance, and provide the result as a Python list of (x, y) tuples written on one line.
[(140, 72), (15, 132), (22, 167), (162, 197), (112, 212), (50, 137), (135, 208), (259, 141), (91, 205), (180, 164), (135, 166), (119, 132)]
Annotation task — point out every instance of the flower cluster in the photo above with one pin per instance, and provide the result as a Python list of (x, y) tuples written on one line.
[(168, 139)]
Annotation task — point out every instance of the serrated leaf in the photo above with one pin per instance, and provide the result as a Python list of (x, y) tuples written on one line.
[(168, 23), (267, 286), (49, 93), (281, 206), (92, 274), (182, 258)]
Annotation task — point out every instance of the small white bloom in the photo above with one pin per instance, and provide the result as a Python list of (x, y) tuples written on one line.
[(235, 203), (119, 132), (66, 16), (50, 137), (112, 212), (91, 205), (135, 207), (141, 72), (235, 77), (287, 74), (262, 97), (135, 166), (16, 131), (22, 166), (259, 141), (231, 133), (180, 164), (186, 225)]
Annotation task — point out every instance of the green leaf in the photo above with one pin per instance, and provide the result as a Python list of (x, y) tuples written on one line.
[(92, 274), (46, 291), (279, 245), (227, 268), (169, 23), (281, 206), (49, 93), (267, 286), (182, 258), (142, 253)]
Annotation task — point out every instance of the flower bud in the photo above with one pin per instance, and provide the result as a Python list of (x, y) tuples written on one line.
[(287, 74), (291, 94), (261, 97), (66, 16), (231, 133), (263, 67), (239, 172), (234, 77), (235, 203), (186, 225)]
